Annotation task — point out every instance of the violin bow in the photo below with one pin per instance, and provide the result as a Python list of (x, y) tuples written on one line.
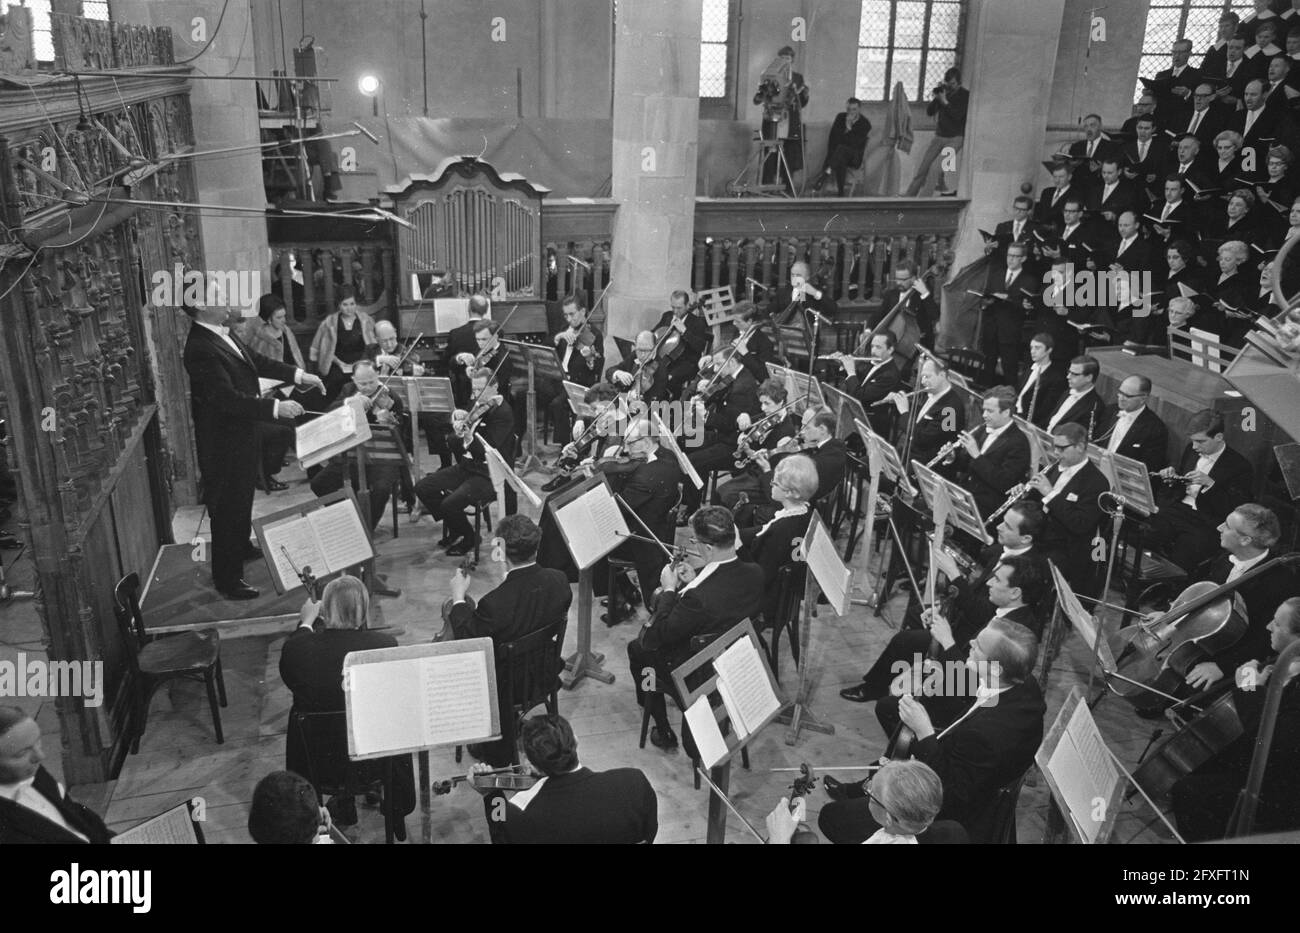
[(730, 806), (409, 350), (644, 527)]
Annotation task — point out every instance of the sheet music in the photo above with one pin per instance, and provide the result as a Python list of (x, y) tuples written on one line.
[(456, 704), (501, 470), (704, 729), (666, 437), (376, 693), (591, 522), (330, 428), (170, 828), (745, 686), (1075, 787), (1092, 750), (831, 573), (341, 537), (299, 539)]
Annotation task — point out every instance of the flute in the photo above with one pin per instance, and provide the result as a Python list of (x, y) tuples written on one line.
[(888, 399)]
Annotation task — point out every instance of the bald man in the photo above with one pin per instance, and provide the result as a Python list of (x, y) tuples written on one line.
[(654, 378), (389, 351)]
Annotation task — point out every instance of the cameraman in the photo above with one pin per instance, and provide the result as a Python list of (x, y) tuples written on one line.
[(783, 94), (949, 106)]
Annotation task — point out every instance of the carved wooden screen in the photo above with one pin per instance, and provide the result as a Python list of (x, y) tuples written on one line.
[(91, 370), (475, 223)]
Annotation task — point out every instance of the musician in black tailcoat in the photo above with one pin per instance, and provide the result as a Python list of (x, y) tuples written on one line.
[(227, 405), (683, 337), (1137, 432), (995, 456), (797, 302), (942, 413), (772, 398), (1043, 382), (730, 410), (1069, 491), (1014, 290), (920, 312), (872, 383), (774, 545)]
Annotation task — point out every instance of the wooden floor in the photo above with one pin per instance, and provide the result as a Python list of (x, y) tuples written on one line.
[(178, 758)]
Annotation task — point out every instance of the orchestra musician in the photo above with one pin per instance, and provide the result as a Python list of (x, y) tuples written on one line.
[(226, 406), (774, 545), (580, 348), (775, 426), (446, 493), (682, 339), (1203, 800), (694, 600), (604, 438), (732, 407), (1215, 480), (529, 599), (642, 375), (995, 456), (871, 382), (917, 301), (757, 347), (382, 408), (990, 745), (905, 795), (797, 302), (1137, 432), (570, 805), (388, 353), (1081, 405), (1043, 383), (751, 348), (489, 356), (1069, 491), (463, 346), (817, 439), (942, 415)]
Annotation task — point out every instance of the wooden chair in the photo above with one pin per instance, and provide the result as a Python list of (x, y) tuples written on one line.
[(528, 675), (791, 580), (385, 448), (154, 661), (853, 177), (997, 824), (323, 740)]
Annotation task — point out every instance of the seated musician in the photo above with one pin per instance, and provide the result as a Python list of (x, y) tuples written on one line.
[(995, 456), (1069, 490), (1081, 404), (942, 415), (743, 347), (871, 382), (816, 439), (35, 808), (603, 439), (694, 600), (680, 355), (777, 424), (1211, 480), (447, 493), (1204, 800), (774, 545), (797, 302), (1043, 382), (311, 666), (989, 746), (382, 408), (732, 406), (582, 359), (1137, 432), (758, 347), (529, 599), (1012, 586), (490, 356), (570, 805), (1248, 536), (905, 798), (642, 375), (388, 353), (286, 811)]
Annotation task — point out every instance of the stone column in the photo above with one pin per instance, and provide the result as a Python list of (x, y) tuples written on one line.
[(1010, 60), (656, 126)]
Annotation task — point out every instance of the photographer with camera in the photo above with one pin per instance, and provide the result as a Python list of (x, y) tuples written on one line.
[(948, 105), (783, 94)]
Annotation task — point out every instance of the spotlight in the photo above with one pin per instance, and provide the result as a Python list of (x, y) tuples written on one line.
[(370, 85)]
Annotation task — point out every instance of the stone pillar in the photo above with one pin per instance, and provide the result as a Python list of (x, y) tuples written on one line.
[(225, 114), (656, 126), (1010, 60)]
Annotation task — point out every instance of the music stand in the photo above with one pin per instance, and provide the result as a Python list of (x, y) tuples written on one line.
[(431, 394), (717, 308), (795, 342), (593, 526), (580, 409), (882, 462), (720, 768), (1040, 443), (283, 577), (965, 514), (528, 361), (848, 412), (798, 384), (1128, 478), (1288, 461)]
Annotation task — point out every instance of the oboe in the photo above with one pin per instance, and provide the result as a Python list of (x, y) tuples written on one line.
[(943, 452), (1012, 497)]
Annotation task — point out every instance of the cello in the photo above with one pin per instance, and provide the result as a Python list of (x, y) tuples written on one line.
[(1199, 738), (1156, 655)]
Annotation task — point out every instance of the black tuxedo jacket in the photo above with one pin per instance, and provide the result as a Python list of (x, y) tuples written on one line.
[(528, 599), (741, 398), (658, 382), (831, 459), (990, 476), (22, 826), (870, 385), (987, 750), (651, 491), (1170, 107), (225, 401), (734, 591), (1127, 196), (459, 340), (1146, 171), (498, 429), (923, 309), (1088, 410), (1010, 312), (1147, 440), (1261, 135), (583, 370), (584, 807), (1037, 409), (1084, 175), (696, 337), (1233, 481), (773, 549), (1073, 517), (1262, 594), (941, 424), (854, 138), (1182, 222), (1049, 212), (1138, 256), (1004, 236), (972, 608), (1212, 124)]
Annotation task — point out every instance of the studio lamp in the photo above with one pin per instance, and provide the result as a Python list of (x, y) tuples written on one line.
[(370, 85)]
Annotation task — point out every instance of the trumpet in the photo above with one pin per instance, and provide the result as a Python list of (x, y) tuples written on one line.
[(944, 451)]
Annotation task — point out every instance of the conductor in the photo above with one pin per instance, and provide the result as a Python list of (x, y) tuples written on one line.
[(226, 404)]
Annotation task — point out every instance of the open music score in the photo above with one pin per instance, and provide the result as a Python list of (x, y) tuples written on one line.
[(830, 572), (170, 828), (592, 523), (332, 433), (1080, 769), (502, 473), (417, 697), (328, 539)]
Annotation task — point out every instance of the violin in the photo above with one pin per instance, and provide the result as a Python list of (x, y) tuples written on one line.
[(467, 566), (803, 785), (469, 421), (513, 777), (586, 439)]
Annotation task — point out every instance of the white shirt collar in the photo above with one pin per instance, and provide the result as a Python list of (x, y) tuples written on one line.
[(215, 328), (1014, 551), (1240, 566), (705, 572)]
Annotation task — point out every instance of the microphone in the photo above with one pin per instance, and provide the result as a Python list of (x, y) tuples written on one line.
[(757, 284), (366, 133), (821, 317)]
